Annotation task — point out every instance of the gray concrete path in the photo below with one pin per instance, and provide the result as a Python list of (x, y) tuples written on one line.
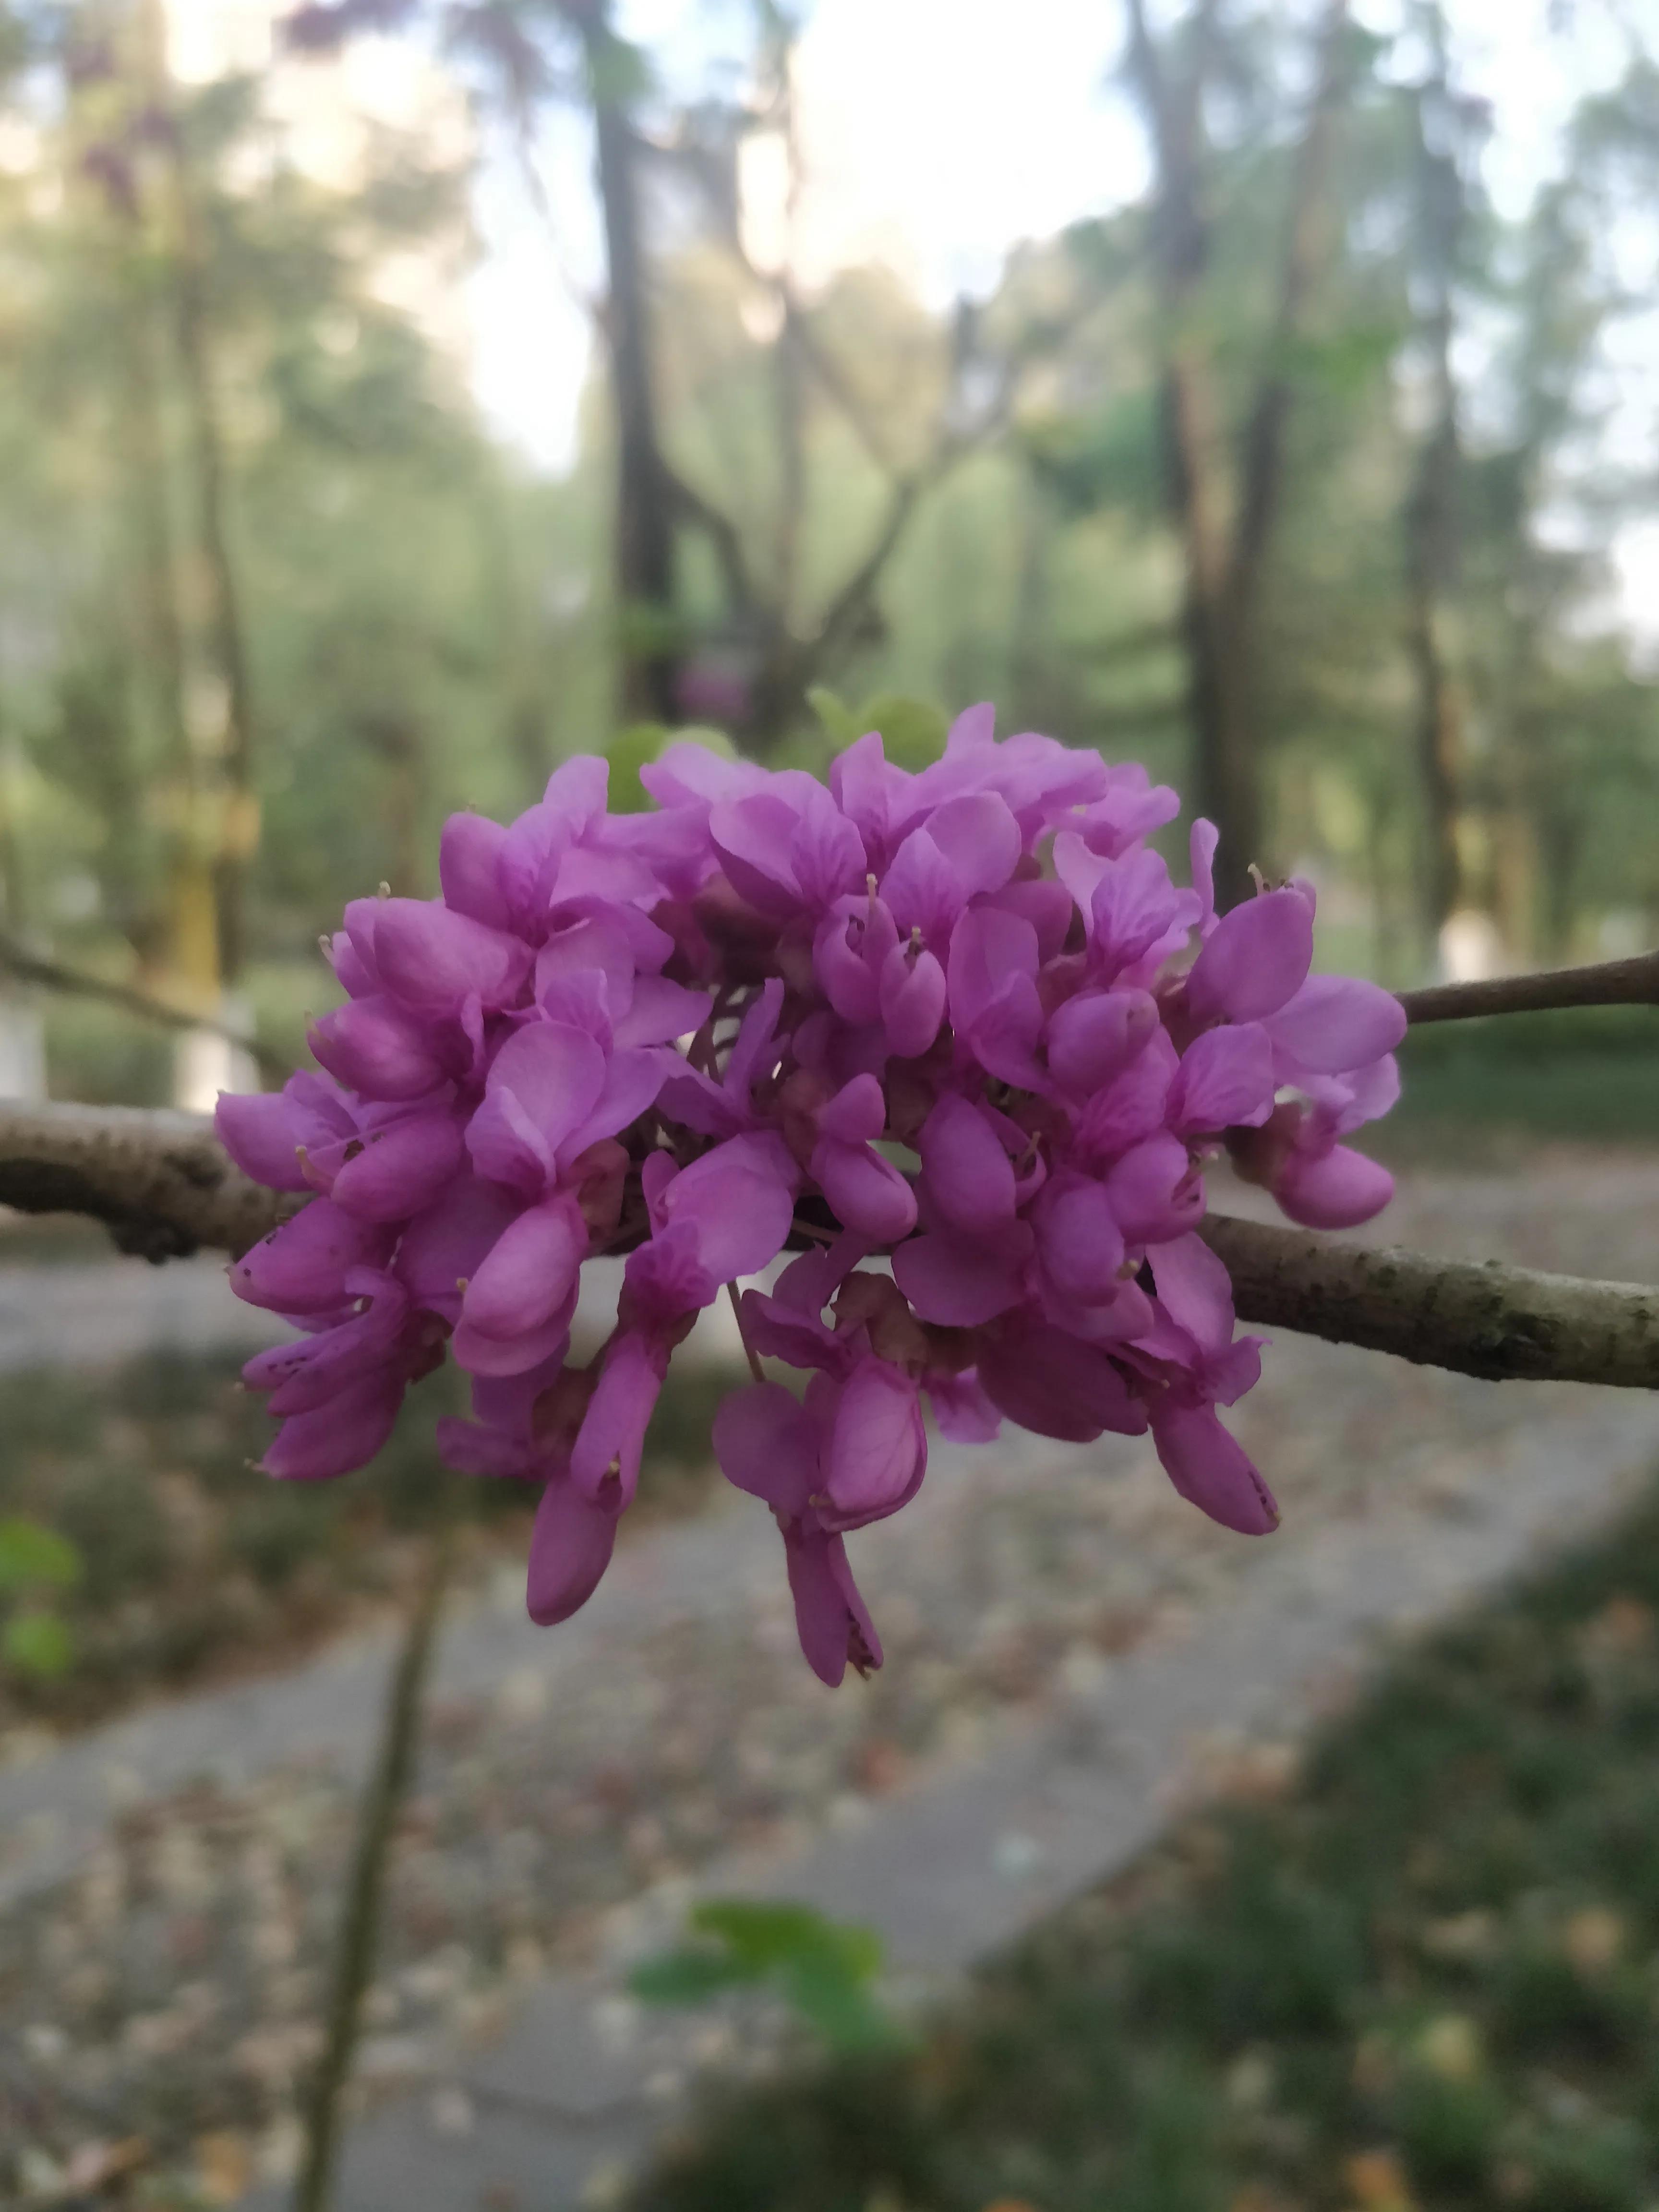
[(83, 1314), (87, 1314), (557, 2113)]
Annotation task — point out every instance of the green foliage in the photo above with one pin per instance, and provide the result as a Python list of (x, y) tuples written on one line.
[(1590, 1073), (628, 752), (1422, 1976), (823, 1969), (637, 744), (913, 731), (33, 1557), (37, 1642)]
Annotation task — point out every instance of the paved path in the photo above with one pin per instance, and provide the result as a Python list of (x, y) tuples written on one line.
[(559, 2110), (1069, 1646), (93, 1313)]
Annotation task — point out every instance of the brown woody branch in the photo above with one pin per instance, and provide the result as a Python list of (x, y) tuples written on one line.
[(1476, 1317), (1633, 982), (159, 1181), (164, 1188)]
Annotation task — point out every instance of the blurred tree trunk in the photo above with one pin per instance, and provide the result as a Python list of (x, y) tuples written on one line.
[(167, 944), (1431, 511), (395, 739), (1224, 510), (230, 707), (643, 522), (196, 617)]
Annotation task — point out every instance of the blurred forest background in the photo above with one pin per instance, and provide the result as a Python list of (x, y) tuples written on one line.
[(1299, 474)]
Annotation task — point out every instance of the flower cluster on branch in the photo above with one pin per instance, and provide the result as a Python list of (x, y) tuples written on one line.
[(961, 1024)]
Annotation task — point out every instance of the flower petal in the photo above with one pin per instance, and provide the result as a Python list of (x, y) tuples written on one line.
[(570, 1548), (1256, 957), (1210, 1469)]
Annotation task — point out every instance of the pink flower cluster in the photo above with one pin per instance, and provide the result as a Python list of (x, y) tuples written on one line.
[(963, 1018)]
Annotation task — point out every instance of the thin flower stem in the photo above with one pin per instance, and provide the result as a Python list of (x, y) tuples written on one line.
[(354, 1957), (750, 1352), (1633, 982)]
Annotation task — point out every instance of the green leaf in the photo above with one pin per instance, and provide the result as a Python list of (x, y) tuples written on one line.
[(841, 725), (832, 1999), (913, 731), (628, 752), (768, 1935), (38, 1644), (822, 1968), (34, 1556), (688, 1976)]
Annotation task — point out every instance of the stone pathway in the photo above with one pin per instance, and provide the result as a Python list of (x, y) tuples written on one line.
[(172, 1882), (560, 2111)]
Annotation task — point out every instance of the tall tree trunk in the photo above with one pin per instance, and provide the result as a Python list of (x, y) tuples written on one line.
[(1226, 766), (1262, 461), (216, 690), (238, 825), (1437, 739), (1225, 540), (643, 552), (1430, 516)]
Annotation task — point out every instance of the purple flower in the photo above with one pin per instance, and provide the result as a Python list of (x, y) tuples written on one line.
[(963, 1018)]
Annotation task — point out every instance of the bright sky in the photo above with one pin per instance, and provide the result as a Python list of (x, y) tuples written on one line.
[(938, 134)]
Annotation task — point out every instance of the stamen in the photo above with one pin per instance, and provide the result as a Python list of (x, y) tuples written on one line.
[(383, 890)]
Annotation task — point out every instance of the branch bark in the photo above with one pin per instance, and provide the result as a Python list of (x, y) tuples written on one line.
[(1633, 982), (1475, 1317), (161, 1183)]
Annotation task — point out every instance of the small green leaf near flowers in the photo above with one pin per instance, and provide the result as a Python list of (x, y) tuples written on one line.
[(824, 1969)]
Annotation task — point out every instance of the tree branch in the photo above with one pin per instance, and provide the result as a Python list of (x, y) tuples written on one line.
[(1633, 982), (1475, 1317), (160, 1181), (164, 1187), (723, 536)]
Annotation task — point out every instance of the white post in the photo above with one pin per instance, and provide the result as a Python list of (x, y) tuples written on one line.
[(204, 1062)]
